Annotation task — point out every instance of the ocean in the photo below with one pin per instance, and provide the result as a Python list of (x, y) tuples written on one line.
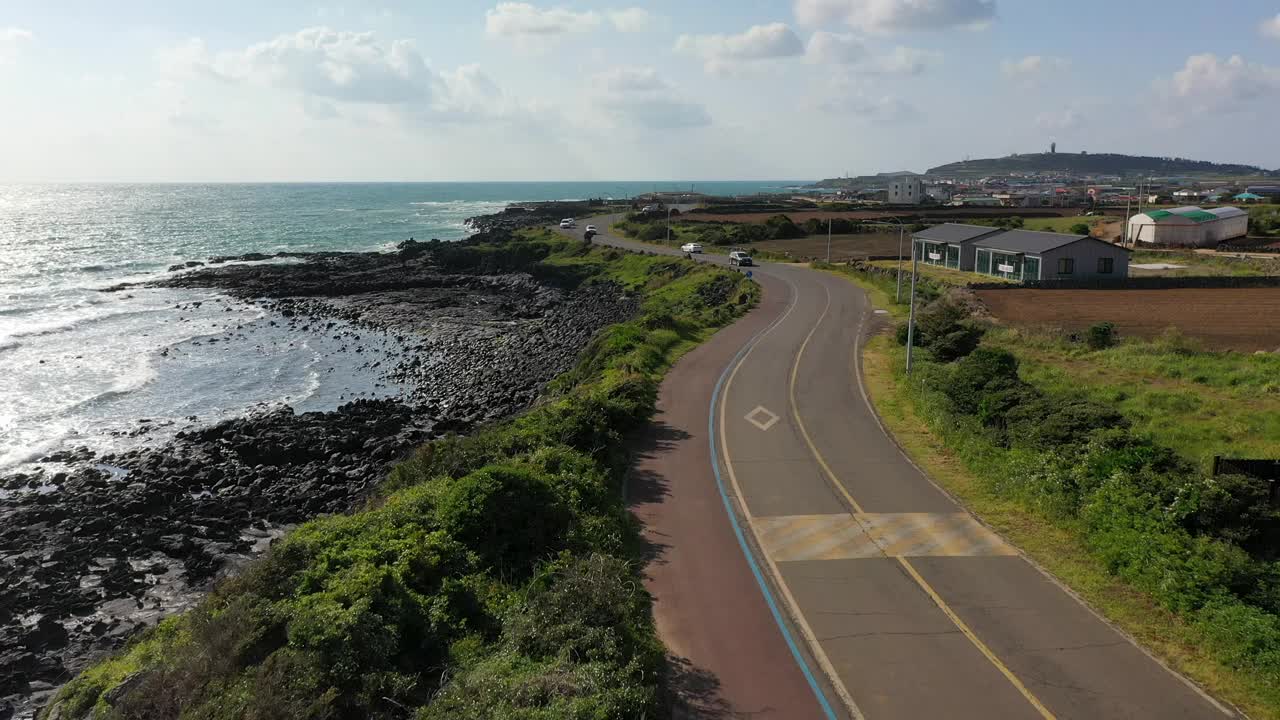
[(83, 367)]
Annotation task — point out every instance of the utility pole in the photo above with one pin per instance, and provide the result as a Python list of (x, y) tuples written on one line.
[(1126, 221), (668, 224), (911, 315)]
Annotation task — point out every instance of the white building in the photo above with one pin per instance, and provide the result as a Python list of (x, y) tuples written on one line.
[(1188, 226), (905, 190)]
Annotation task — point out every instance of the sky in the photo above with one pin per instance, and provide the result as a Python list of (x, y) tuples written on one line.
[(239, 90)]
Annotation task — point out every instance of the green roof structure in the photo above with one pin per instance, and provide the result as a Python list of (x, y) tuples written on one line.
[(1199, 215), (1159, 215)]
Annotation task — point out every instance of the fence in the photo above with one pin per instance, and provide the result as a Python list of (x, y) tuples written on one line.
[(1138, 283), (1268, 470)]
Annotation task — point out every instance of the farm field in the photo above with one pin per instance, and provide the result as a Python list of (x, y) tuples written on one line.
[(843, 247), (907, 214), (1244, 319)]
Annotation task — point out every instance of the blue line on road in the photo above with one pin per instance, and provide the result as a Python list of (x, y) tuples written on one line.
[(742, 541)]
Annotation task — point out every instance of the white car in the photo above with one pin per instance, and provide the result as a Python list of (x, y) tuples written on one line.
[(568, 223), (738, 257), (591, 228), (691, 248)]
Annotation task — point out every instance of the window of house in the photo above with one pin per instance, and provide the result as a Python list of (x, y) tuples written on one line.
[(1066, 266), (1106, 265)]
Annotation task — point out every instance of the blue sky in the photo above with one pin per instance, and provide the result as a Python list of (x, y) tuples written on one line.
[(755, 89)]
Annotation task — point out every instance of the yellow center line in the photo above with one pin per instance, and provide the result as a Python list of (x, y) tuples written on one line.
[(982, 647), (906, 564)]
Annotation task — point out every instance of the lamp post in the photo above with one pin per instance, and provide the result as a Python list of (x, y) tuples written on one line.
[(911, 314)]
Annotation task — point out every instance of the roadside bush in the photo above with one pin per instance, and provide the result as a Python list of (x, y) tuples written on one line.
[(780, 227), (506, 514), (945, 329), (1080, 229), (1101, 336), (1057, 421), (984, 374), (652, 232)]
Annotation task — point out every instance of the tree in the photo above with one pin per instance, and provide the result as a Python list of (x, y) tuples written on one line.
[(1080, 229)]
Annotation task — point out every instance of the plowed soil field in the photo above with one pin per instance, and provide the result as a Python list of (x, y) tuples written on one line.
[(1245, 319)]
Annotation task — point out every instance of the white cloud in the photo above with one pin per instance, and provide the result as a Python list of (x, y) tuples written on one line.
[(887, 16), (1033, 69), (835, 48), (723, 53), (518, 19), (632, 19), (12, 40), (849, 51), (1207, 84), (638, 96), (341, 66), (1271, 27)]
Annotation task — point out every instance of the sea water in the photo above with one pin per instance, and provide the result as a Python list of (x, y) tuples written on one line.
[(84, 367)]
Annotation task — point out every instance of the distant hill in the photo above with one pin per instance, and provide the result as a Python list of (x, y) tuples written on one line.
[(1091, 164)]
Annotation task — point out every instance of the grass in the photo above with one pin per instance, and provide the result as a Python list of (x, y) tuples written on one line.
[(943, 275), (1059, 548), (1200, 403), (1202, 264)]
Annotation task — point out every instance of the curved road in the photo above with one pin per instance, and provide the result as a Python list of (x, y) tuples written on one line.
[(802, 567)]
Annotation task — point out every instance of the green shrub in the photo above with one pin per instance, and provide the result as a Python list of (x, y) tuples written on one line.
[(1101, 336), (1079, 229)]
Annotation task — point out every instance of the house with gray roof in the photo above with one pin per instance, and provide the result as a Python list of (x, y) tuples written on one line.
[(950, 245), (1022, 255), (1026, 255)]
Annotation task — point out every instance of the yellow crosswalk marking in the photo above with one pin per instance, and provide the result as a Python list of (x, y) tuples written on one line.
[(870, 535)]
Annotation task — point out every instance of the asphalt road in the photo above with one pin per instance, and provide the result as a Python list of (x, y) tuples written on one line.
[(802, 567)]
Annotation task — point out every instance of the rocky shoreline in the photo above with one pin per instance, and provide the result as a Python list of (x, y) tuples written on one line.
[(94, 547)]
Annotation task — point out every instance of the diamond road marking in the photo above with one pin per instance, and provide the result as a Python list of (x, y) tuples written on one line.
[(762, 418)]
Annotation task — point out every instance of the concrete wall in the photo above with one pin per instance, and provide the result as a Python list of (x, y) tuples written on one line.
[(906, 191)]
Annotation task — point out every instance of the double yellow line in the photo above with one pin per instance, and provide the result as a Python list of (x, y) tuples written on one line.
[(857, 510)]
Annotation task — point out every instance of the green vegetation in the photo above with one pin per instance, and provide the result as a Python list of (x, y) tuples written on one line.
[(1094, 164), (1026, 445), (496, 575), (1264, 220), (1200, 403), (1203, 264)]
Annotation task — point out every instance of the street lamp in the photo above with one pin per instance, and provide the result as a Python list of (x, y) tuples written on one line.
[(911, 315)]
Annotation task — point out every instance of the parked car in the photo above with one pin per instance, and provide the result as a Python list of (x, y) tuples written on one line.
[(740, 258), (568, 223), (691, 248)]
